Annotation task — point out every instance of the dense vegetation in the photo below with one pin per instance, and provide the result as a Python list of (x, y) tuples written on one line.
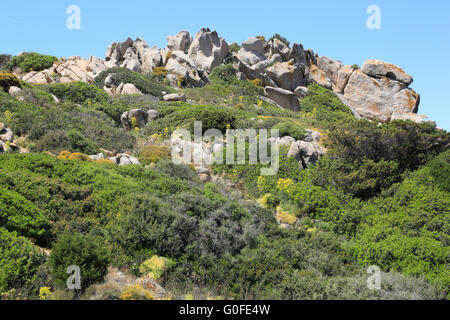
[(31, 61), (381, 196)]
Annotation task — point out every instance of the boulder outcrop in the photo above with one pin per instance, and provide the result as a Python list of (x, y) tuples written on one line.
[(208, 50)]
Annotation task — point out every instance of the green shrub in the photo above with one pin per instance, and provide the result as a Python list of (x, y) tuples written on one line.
[(77, 92), (153, 154), (146, 84), (80, 143), (4, 59), (8, 80), (440, 170), (289, 128), (86, 252), (225, 73), (20, 215), (31, 62), (184, 115), (282, 39), (19, 261)]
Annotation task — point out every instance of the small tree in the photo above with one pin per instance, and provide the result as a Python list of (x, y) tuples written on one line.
[(86, 252)]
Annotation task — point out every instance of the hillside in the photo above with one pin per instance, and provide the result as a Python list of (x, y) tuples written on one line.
[(87, 176)]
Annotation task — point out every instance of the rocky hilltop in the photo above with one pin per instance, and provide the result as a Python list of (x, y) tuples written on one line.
[(377, 91)]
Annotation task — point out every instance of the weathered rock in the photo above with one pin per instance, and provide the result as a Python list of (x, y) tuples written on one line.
[(409, 116), (15, 92), (256, 71), (312, 136), (69, 70), (117, 50), (124, 161), (377, 68), (286, 75), (276, 46), (329, 67), (131, 60), (97, 157), (307, 153), (252, 51), (7, 135), (133, 160), (301, 92), (283, 97), (151, 58), (302, 56), (319, 76), (378, 99), (285, 141), (180, 65), (152, 115), (342, 78), (129, 88), (207, 50), (179, 42), (175, 97), (140, 116)]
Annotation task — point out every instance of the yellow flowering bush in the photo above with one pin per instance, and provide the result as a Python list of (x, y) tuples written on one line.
[(44, 293), (136, 292), (285, 184), (285, 217), (155, 266)]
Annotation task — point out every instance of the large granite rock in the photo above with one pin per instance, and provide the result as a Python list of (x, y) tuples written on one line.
[(377, 68), (179, 42), (286, 75), (252, 51), (140, 119), (69, 70), (284, 98), (379, 98), (207, 50), (180, 66)]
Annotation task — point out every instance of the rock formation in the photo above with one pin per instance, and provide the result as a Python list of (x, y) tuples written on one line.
[(378, 91)]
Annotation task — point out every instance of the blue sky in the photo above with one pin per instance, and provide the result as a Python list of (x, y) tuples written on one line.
[(414, 35)]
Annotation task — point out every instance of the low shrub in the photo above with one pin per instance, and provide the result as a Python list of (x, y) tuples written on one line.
[(154, 153), (31, 61), (136, 292), (146, 84), (290, 128), (8, 80), (86, 252), (19, 261), (77, 92)]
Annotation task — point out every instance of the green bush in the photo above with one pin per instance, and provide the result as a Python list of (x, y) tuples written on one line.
[(440, 170), (86, 252), (183, 115), (282, 39), (46, 126), (19, 261), (289, 128), (8, 80), (80, 143), (146, 84), (76, 92), (20, 215), (225, 73), (31, 62), (4, 59)]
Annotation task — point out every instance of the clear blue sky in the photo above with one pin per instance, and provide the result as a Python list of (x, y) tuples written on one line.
[(414, 35)]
